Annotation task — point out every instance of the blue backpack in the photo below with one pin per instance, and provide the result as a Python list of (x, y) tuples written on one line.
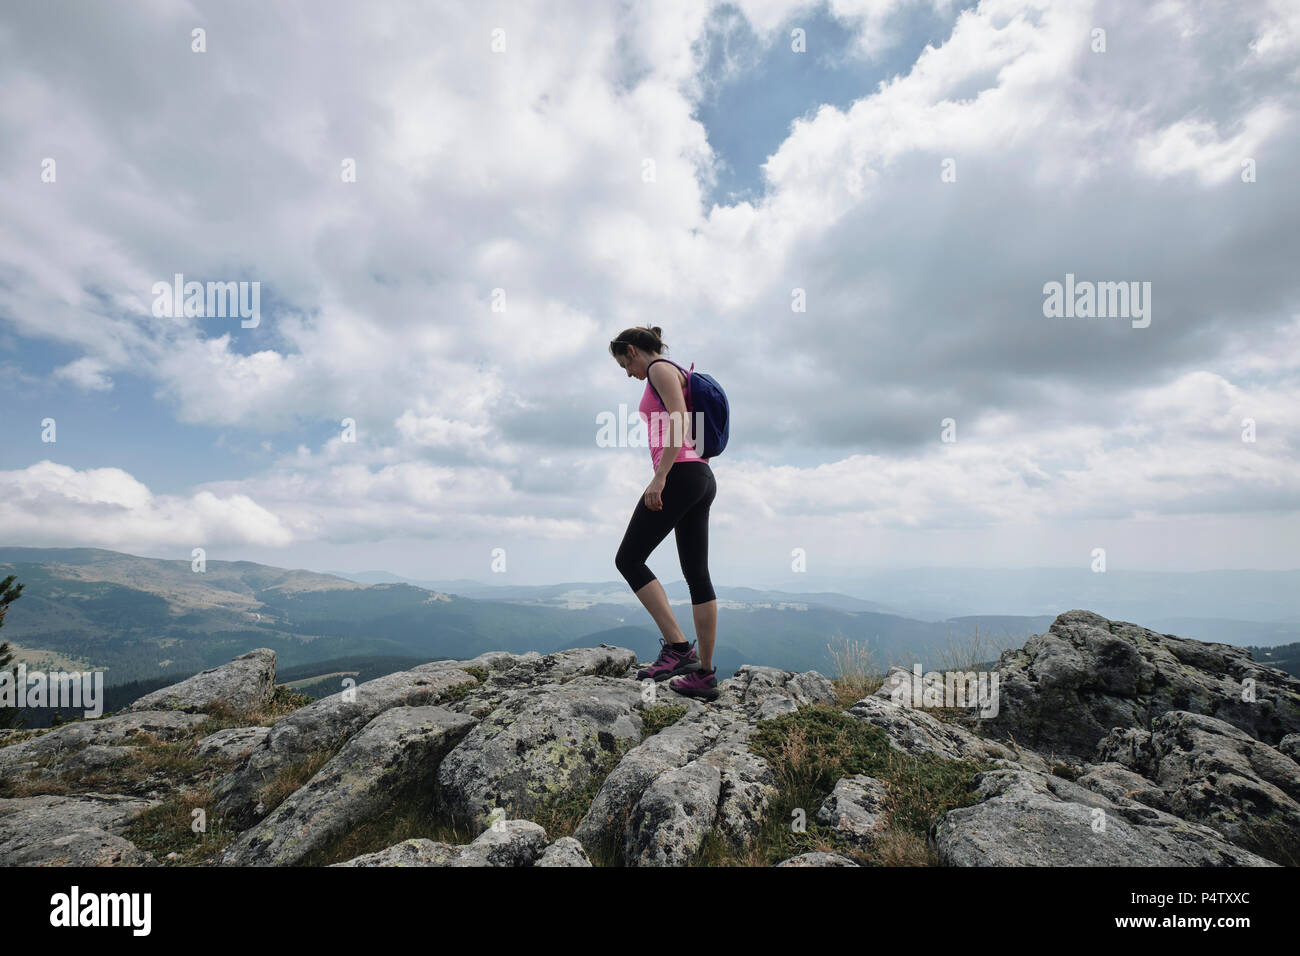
[(704, 395)]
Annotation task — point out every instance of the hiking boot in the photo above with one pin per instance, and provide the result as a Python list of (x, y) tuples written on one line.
[(672, 659), (699, 683)]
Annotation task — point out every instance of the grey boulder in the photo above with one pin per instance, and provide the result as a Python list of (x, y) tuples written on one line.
[(761, 693), (162, 725), (818, 859), (604, 825), (673, 816), (505, 843), (1066, 689), (246, 683), (395, 754), (1206, 770), (1025, 818), (84, 830), (915, 732), (541, 743), (323, 725), (698, 775), (565, 851), (232, 743), (855, 809)]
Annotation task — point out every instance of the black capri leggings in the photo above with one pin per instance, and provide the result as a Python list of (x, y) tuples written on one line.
[(689, 489)]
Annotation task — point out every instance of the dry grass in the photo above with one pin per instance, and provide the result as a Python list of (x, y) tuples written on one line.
[(170, 828), (167, 827), (902, 848), (964, 654), (973, 652), (855, 673), (292, 777)]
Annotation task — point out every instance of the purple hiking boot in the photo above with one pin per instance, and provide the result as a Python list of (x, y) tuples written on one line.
[(700, 683), (672, 659)]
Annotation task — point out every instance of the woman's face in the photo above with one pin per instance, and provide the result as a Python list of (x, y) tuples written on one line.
[(634, 362)]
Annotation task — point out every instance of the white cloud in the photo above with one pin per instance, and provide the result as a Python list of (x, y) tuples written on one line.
[(1011, 471), (1196, 146), (523, 171), (87, 373), (48, 504)]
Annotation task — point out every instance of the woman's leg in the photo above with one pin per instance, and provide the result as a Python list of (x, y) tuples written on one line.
[(645, 531), (693, 552), (655, 600), (706, 630)]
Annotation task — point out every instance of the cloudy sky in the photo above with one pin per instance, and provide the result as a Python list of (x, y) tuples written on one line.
[(915, 175)]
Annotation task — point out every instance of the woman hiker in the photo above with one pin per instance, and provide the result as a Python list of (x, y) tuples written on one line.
[(677, 498)]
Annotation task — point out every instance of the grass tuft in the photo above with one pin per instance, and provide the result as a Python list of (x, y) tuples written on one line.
[(855, 673), (813, 748)]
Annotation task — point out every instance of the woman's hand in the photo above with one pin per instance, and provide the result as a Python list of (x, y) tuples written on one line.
[(654, 494)]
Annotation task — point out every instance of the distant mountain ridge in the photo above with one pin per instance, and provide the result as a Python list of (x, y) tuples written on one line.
[(941, 593), (1243, 607), (616, 592), (142, 619)]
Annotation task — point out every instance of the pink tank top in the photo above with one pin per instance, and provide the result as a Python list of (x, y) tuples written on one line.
[(658, 424)]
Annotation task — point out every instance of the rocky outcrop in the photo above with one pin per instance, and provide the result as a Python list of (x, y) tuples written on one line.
[(605, 822), (1112, 745), (232, 743), (414, 852), (760, 693), (63, 741), (246, 683), (505, 843), (855, 809), (541, 743), (326, 724), (88, 760), (84, 830), (566, 851), (1136, 808), (1290, 746), (533, 670), (394, 754), (1066, 689), (510, 673), (1119, 783), (632, 817), (748, 786), (725, 789), (818, 859), (1025, 818), (674, 815), (1206, 770), (915, 732)]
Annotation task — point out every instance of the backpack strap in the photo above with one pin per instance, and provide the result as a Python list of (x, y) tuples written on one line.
[(684, 372)]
